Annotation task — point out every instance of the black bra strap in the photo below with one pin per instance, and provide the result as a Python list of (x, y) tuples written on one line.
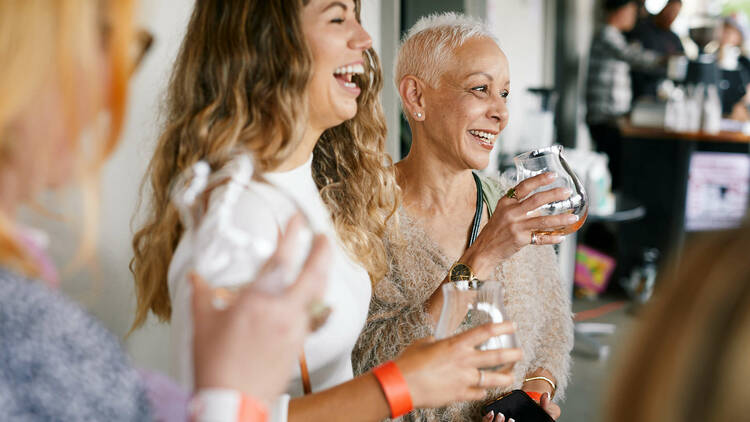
[(478, 212)]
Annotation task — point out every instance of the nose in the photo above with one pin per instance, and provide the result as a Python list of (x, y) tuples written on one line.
[(360, 40), (499, 111)]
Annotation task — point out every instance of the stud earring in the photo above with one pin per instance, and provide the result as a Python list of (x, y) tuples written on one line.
[(419, 115)]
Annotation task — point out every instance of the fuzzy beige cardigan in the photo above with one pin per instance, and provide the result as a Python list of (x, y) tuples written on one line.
[(535, 299)]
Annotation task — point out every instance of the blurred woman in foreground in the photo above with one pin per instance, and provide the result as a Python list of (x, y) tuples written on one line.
[(688, 358), (65, 62)]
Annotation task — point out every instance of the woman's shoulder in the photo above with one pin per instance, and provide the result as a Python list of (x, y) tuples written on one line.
[(493, 188), (59, 361)]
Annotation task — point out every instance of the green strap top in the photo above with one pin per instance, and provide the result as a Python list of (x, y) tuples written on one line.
[(491, 192)]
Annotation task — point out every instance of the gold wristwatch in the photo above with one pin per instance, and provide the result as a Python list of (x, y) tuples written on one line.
[(461, 272)]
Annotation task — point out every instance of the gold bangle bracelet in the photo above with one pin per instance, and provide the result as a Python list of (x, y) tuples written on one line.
[(552, 384)]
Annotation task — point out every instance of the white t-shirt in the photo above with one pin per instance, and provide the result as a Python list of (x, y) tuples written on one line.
[(348, 291)]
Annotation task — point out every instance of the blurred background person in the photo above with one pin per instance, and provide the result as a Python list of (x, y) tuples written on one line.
[(687, 360), (732, 55), (654, 33), (608, 85), (64, 63)]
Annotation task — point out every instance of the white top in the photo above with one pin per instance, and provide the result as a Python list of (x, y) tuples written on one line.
[(348, 291)]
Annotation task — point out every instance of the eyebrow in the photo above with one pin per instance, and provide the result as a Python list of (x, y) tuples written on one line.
[(334, 4), (485, 74)]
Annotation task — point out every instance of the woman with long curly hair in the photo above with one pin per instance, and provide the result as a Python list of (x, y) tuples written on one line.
[(296, 85)]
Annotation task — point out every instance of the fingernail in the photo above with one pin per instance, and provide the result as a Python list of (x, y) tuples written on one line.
[(501, 416), (491, 415), (568, 192), (572, 218), (552, 175), (511, 420)]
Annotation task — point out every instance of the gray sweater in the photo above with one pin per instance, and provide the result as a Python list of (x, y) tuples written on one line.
[(57, 363)]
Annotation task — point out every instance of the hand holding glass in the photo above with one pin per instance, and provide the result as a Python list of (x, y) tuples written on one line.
[(551, 159), (468, 304)]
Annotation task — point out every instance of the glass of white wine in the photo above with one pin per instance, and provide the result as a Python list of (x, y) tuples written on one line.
[(551, 159)]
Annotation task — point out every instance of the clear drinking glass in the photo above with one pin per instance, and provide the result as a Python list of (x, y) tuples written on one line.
[(227, 252), (551, 159), (468, 304)]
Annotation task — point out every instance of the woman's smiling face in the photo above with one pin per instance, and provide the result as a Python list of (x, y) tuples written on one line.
[(465, 113), (337, 42)]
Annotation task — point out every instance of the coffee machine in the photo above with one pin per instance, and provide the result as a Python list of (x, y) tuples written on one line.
[(705, 32)]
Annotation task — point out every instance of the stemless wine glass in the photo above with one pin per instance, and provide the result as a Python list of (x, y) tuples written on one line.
[(226, 252), (551, 159), (468, 304)]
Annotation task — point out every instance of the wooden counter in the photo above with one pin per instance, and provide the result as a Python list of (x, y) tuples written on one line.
[(630, 131)]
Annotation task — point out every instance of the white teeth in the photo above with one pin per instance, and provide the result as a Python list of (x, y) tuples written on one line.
[(355, 69), (350, 84), (484, 135)]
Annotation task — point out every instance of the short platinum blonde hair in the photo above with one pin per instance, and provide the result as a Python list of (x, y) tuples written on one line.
[(430, 43)]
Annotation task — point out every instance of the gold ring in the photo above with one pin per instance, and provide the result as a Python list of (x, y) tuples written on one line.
[(511, 193), (221, 298), (318, 312)]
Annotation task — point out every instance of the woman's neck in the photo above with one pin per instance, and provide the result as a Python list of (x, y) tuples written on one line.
[(303, 151), (430, 185)]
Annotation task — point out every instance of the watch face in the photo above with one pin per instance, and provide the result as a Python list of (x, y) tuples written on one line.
[(461, 272)]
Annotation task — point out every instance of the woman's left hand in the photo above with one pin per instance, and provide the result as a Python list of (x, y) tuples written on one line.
[(551, 408)]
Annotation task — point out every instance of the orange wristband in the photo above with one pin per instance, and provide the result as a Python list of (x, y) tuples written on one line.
[(251, 410), (395, 388), (535, 395)]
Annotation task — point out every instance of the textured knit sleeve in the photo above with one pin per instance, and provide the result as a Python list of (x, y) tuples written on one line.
[(393, 323), (58, 364), (556, 331)]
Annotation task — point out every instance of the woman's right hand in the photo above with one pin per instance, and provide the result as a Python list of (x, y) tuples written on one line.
[(511, 225), (251, 346), (445, 371)]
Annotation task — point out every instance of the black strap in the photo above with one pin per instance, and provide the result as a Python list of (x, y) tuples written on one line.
[(478, 212)]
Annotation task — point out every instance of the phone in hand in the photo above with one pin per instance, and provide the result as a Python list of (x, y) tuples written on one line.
[(519, 406)]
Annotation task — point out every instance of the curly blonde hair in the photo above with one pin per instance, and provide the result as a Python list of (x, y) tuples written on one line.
[(240, 81)]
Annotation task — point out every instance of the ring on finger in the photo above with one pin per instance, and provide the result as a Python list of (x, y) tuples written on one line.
[(481, 378), (221, 298), (533, 238), (511, 193), (318, 312)]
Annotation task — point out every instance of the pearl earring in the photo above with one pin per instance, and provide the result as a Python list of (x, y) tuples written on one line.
[(419, 115)]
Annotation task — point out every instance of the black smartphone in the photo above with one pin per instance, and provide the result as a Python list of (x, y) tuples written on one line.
[(519, 406)]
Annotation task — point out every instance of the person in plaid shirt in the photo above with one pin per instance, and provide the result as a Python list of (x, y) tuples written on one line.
[(608, 87)]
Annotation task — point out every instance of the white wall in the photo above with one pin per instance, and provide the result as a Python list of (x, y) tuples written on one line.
[(520, 26)]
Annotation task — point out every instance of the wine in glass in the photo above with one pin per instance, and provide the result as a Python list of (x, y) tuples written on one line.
[(551, 159)]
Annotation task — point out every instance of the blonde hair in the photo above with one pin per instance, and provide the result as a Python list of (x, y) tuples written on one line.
[(689, 358), (45, 39), (430, 43), (227, 92)]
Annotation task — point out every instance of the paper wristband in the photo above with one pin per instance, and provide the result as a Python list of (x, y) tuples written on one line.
[(220, 404), (395, 388), (535, 395)]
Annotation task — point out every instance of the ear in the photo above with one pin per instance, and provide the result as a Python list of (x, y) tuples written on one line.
[(411, 90)]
